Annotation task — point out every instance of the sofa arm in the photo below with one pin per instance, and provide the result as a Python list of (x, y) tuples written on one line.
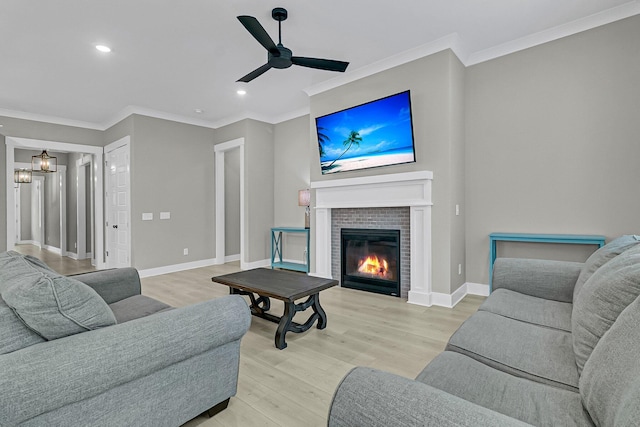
[(113, 285), (553, 280), (372, 398), (50, 375)]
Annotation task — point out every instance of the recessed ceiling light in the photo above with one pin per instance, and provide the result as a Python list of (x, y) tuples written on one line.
[(241, 92), (199, 111), (103, 48)]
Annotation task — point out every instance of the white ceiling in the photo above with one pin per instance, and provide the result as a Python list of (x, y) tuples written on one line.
[(171, 57)]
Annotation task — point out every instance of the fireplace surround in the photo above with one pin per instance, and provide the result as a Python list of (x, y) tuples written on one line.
[(411, 189)]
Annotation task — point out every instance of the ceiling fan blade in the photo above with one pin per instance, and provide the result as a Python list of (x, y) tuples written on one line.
[(323, 64), (258, 32), (255, 73)]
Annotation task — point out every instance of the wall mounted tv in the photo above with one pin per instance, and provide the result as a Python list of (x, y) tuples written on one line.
[(378, 133)]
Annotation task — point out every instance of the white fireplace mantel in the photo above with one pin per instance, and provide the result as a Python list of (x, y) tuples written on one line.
[(412, 189)]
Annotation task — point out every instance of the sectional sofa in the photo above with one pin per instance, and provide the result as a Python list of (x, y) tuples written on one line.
[(555, 344), (92, 351)]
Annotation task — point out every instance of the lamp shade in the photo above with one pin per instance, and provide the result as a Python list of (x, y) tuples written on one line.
[(43, 162), (304, 197), (22, 176)]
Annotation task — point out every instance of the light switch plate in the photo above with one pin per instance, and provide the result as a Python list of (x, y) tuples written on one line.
[(148, 216), (165, 215)]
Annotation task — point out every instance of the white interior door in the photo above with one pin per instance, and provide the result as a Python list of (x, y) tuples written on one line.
[(118, 206)]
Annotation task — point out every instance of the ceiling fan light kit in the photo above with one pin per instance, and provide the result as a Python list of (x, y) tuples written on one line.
[(279, 56)]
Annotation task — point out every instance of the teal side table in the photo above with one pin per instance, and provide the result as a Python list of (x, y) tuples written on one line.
[(575, 239), (276, 249)]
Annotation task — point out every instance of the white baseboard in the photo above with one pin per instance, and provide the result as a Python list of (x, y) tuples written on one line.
[(449, 300), (477, 289), (52, 249), (255, 264), (232, 258), (71, 255), (149, 272)]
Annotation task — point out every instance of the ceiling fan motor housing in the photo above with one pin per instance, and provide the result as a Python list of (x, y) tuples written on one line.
[(282, 61)]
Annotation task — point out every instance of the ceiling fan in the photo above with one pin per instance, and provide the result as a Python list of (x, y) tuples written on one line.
[(279, 56)]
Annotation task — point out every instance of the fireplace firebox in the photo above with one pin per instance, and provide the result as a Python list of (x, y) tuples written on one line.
[(370, 260)]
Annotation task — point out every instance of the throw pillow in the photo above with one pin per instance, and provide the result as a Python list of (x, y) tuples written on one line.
[(48, 303), (604, 296), (602, 256)]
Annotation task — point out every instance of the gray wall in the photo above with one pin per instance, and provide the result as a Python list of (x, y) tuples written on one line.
[(258, 178), (232, 202), (171, 172), (436, 83), (552, 141), (291, 173)]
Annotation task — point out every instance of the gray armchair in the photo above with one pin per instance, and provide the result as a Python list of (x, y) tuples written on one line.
[(161, 369)]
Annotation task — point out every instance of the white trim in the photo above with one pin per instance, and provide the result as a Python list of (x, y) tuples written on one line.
[(477, 289), (124, 142), (412, 189), (446, 42), (255, 264), (231, 258), (49, 119), (149, 272), (150, 112), (26, 143), (72, 255), (52, 249), (605, 17), (467, 288)]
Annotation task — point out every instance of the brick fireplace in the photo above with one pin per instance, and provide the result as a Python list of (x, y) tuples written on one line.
[(410, 192)]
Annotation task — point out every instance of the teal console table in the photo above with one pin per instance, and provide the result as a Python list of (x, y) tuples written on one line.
[(576, 239), (277, 247)]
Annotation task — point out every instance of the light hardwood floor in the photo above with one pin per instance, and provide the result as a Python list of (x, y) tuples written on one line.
[(62, 265), (294, 386)]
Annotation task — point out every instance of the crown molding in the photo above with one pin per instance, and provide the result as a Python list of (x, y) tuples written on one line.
[(149, 112), (49, 119), (401, 58), (451, 41), (574, 27)]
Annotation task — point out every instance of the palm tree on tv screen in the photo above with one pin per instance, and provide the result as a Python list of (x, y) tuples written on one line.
[(322, 138), (354, 138)]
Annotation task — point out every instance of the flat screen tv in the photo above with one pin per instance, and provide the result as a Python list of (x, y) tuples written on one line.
[(378, 133)]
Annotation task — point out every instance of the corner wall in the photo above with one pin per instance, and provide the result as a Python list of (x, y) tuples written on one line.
[(436, 84), (552, 141)]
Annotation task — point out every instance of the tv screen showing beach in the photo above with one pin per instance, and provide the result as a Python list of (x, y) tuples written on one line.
[(378, 133)]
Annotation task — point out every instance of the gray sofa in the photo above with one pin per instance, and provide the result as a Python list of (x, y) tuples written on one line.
[(555, 344), (91, 351)]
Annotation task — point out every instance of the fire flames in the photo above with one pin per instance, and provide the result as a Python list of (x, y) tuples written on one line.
[(374, 266)]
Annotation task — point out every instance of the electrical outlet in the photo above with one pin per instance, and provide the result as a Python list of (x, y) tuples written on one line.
[(185, 251)]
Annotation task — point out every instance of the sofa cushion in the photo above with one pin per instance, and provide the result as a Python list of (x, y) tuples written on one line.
[(604, 295), (14, 334), (526, 308), (520, 398), (136, 307), (522, 349), (52, 305), (602, 256), (610, 381)]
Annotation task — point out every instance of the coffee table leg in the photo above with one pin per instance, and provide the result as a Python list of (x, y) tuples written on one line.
[(317, 308), (284, 325)]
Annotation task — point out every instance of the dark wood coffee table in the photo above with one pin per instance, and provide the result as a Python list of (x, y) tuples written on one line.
[(286, 286)]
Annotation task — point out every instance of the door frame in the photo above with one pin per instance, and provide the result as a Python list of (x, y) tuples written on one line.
[(219, 150), (81, 202), (122, 142), (36, 144), (38, 181)]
